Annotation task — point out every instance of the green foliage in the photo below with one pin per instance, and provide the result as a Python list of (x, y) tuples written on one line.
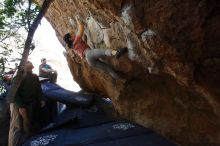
[(15, 18)]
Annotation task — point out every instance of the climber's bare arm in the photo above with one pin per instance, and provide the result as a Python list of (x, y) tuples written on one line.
[(80, 27)]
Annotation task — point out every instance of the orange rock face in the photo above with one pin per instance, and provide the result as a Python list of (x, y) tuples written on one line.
[(172, 68)]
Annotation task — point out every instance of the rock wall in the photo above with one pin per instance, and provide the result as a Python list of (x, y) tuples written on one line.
[(172, 67)]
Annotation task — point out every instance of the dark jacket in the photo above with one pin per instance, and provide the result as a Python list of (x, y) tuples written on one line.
[(29, 91)]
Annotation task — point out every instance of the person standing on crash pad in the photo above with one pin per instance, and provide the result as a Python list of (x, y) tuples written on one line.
[(29, 100), (92, 56)]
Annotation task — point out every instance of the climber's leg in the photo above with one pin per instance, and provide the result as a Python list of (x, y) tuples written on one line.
[(92, 57)]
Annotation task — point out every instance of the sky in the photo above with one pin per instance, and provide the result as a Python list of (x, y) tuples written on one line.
[(48, 46)]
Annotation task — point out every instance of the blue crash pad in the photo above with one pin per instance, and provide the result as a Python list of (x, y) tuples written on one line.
[(57, 93), (120, 133), (94, 126), (84, 117)]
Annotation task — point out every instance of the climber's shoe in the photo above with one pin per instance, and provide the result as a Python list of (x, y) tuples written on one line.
[(121, 51)]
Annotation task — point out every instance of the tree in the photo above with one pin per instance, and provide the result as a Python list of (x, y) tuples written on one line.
[(15, 19), (27, 47)]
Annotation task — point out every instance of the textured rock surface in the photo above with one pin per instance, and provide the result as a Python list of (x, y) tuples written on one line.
[(172, 67)]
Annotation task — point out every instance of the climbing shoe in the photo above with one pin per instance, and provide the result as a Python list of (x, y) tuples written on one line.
[(121, 51)]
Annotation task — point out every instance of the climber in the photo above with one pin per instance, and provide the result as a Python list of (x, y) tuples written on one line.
[(92, 56)]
